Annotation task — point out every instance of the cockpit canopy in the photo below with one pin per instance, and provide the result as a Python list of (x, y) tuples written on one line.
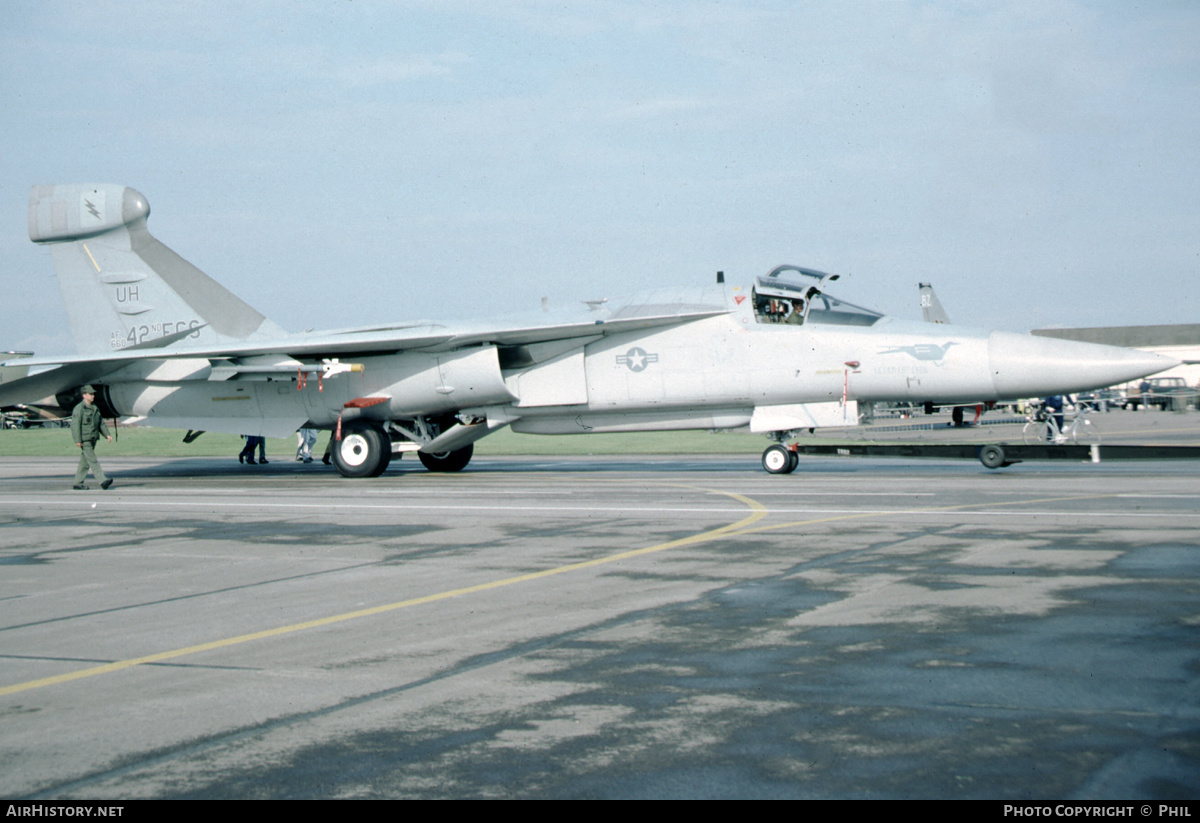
[(794, 295)]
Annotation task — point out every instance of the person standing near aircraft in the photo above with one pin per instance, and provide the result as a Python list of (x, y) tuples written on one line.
[(308, 439), (253, 441), (1143, 392), (247, 449), (87, 424)]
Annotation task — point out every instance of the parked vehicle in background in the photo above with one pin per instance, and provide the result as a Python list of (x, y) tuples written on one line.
[(19, 418), (1166, 393)]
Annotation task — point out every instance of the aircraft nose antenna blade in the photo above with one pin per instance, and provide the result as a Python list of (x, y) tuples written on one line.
[(1024, 365)]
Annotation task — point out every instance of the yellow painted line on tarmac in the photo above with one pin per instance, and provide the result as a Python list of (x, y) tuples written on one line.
[(757, 512), (742, 527)]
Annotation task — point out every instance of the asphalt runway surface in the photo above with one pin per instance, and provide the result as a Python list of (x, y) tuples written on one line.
[(601, 627)]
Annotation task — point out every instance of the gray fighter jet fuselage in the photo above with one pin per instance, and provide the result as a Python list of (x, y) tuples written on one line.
[(168, 346)]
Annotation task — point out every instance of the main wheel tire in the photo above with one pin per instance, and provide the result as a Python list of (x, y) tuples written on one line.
[(794, 462), (992, 456), (777, 459), (386, 459), (454, 461), (363, 451)]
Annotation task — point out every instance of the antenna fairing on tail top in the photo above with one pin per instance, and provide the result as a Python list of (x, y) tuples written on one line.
[(73, 212)]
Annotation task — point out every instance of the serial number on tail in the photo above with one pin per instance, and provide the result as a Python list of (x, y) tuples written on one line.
[(140, 334)]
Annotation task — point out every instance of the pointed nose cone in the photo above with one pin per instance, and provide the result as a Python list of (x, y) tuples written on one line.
[(1027, 366)]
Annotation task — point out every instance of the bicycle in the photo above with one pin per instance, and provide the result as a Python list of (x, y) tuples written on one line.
[(1042, 428)]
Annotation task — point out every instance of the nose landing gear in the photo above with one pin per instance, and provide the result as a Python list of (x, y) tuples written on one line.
[(779, 459)]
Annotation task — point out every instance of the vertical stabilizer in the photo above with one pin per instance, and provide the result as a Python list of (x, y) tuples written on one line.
[(931, 307), (124, 288)]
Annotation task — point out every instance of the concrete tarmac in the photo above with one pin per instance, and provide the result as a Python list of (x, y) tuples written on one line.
[(601, 627)]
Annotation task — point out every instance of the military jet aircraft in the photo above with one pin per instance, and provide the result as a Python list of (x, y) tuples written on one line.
[(21, 416), (169, 346)]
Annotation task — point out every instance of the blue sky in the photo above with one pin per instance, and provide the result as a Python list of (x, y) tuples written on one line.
[(346, 163)]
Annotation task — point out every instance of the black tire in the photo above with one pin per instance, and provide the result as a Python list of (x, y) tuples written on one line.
[(454, 461), (777, 459), (388, 457), (363, 451), (385, 460), (992, 456)]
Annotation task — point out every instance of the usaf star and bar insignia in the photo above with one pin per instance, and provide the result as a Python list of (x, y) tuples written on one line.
[(636, 359)]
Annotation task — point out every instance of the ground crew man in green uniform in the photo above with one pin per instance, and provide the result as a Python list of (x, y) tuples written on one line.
[(86, 427)]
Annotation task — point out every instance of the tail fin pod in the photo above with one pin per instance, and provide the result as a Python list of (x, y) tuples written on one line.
[(121, 286)]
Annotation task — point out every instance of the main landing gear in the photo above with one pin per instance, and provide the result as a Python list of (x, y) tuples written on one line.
[(365, 450), (454, 461), (779, 459)]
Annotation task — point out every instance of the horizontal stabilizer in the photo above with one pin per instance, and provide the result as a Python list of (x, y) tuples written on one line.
[(46, 384)]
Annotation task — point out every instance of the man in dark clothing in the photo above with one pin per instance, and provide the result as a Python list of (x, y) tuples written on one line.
[(1054, 409), (253, 441), (86, 427)]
